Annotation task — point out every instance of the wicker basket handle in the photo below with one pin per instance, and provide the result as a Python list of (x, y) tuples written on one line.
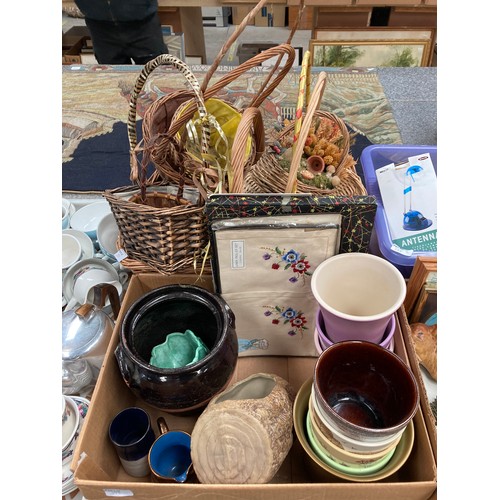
[(148, 68), (314, 102), (237, 32), (277, 51), (289, 42), (282, 49), (229, 42), (303, 96), (251, 117)]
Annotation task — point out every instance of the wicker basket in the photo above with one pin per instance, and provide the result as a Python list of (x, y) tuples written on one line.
[(159, 228), (267, 175), (167, 119)]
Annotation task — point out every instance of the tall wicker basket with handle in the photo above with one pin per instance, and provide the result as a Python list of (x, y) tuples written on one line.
[(160, 229)]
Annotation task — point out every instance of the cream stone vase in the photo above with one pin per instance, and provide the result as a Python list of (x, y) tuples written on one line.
[(245, 433)]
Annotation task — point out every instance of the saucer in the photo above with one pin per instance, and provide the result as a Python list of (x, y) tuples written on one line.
[(70, 421), (79, 268), (67, 457), (85, 242)]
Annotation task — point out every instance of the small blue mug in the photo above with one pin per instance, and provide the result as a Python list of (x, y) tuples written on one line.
[(170, 455), (131, 433)]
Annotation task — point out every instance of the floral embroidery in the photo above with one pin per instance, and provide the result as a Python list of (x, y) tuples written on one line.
[(288, 316), (289, 260)]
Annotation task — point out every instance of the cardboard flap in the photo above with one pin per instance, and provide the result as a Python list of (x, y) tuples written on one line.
[(87, 469)]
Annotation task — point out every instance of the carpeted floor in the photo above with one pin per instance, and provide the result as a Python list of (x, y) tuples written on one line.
[(95, 109)]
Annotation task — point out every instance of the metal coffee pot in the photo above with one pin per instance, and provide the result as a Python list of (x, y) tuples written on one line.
[(86, 332)]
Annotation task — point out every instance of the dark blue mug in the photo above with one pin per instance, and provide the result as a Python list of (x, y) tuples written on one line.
[(131, 433), (170, 455)]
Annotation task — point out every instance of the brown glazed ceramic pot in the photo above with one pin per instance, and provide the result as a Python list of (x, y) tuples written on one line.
[(176, 308), (366, 392)]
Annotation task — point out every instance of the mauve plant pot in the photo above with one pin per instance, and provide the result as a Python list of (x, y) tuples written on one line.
[(176, 308)]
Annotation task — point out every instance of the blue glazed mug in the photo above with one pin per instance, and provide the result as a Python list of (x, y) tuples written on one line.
[(131, 433), (170, 455)]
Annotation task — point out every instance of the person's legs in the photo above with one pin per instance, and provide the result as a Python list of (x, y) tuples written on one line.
[(145, 40), (109, 41)]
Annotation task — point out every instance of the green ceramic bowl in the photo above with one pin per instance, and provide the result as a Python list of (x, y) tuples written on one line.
[(401, 453), (348, 469)]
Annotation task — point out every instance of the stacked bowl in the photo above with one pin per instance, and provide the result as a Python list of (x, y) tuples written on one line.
[(322, 341), (354, 418), (358, 295), (74, 411)]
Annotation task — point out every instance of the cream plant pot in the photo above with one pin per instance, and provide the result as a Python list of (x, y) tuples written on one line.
[(245, 433)]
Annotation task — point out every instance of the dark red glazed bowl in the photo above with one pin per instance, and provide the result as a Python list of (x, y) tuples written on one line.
[(367, 392)]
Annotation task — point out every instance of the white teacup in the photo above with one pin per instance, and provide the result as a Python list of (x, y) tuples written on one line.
[(87, 218), (68, 209), (71, 250), (88, 273), (83, 289)]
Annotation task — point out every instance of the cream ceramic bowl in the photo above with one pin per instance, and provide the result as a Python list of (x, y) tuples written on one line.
[(71, 251), (331, 446), (346, 442), (335, 463)]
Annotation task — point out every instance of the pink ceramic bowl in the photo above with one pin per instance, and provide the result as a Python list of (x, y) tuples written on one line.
[(323, 342)]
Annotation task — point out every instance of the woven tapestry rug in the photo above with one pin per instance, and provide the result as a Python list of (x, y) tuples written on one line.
[(95, 104)]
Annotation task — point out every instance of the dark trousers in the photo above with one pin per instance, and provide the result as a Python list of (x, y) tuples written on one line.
[(133, 42)]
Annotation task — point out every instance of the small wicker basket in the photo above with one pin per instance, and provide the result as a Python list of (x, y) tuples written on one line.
[(159, 228)]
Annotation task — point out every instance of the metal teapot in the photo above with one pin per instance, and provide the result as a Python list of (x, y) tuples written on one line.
[(86, 332)]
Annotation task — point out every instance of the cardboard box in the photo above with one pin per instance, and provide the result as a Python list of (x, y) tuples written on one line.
[(99, 475), (422, 16), (424, 401), (171, 16), (73, 55), (246, 51), (74, 35), (306, 20)]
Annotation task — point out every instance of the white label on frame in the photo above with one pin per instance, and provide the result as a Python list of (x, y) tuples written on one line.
[(237, 254)]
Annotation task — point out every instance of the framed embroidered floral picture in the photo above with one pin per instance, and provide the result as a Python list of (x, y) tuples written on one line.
[(264, 251)]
